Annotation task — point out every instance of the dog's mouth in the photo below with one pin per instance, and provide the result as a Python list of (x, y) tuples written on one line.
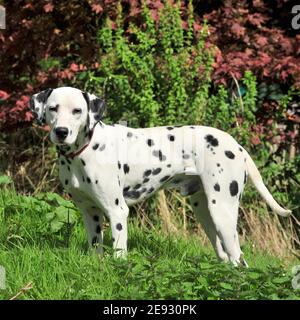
[(61, 143), (59, 140)]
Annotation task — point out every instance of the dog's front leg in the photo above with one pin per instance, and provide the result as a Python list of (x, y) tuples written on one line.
[(93, 222), (116, 210)]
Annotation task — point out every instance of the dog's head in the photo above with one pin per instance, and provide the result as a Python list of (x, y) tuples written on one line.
[(68, 111)]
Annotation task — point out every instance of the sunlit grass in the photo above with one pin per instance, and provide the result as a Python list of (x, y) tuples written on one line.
[(60, 266)]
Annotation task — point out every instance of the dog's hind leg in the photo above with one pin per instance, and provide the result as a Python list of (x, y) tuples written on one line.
[(242, 259), (118, 223), (225, 220), (200, 208), (223, 210)]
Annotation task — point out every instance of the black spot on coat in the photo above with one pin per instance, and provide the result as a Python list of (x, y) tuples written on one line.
[(126, 189), (159, 154), (212, 140), (147, 173), (150, 142), (171, 137), (234, 188), (102, 147), (229, 154), (119, 226), (165, 178), (156, 171), (95, 146), (150, 190), (133, 194), (126, 168), (245, 177), (217, 187)]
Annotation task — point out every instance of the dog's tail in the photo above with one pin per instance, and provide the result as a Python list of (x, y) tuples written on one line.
[(262, 189)]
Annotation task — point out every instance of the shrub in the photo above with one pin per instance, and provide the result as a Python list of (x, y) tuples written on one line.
[(157, 74)]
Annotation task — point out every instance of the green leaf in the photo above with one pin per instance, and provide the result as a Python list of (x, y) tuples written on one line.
[(281, 280), (254, 275), (5, 180), (226, 286), (56, 225)]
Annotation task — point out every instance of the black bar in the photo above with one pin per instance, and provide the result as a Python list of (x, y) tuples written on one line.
[(130, 309)]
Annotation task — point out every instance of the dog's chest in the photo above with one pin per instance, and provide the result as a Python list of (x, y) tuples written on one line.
[(71, 175)]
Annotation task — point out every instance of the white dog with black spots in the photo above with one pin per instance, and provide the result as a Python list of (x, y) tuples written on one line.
[(107, 168)]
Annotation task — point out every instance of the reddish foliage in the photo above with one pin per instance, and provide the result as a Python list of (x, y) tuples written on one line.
[(48, 7), (251, 35), (250, 41)]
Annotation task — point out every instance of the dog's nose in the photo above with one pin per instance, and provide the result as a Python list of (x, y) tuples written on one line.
[(61, 132)]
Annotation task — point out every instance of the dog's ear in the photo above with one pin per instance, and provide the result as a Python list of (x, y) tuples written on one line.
[(37, 105), (96, 107)]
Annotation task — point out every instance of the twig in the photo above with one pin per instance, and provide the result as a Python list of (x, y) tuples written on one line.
[(23, 290), (239, 91), (30, 182)]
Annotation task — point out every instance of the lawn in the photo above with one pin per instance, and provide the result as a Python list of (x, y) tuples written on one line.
[(43, 245)]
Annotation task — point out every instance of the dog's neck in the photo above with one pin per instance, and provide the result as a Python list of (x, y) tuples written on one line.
[(83, 140)]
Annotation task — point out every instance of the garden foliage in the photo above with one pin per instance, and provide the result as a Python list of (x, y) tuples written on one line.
[(47, 45)]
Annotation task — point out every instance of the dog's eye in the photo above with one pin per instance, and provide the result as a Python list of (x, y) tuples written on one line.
[(53, 109), (77, 111)]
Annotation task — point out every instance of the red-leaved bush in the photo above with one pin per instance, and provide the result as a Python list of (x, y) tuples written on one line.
[(249, 39)]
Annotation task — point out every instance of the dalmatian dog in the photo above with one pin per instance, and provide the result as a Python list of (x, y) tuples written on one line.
[(107, 168)]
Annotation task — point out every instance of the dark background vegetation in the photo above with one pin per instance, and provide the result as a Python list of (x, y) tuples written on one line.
[(250, 35)]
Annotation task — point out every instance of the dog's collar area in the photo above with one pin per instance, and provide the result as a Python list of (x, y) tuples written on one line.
[(74, 154)]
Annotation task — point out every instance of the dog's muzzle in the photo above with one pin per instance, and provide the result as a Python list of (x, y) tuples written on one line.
[(61, 133)]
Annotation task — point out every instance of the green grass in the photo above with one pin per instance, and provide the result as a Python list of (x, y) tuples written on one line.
[(35, 248)]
